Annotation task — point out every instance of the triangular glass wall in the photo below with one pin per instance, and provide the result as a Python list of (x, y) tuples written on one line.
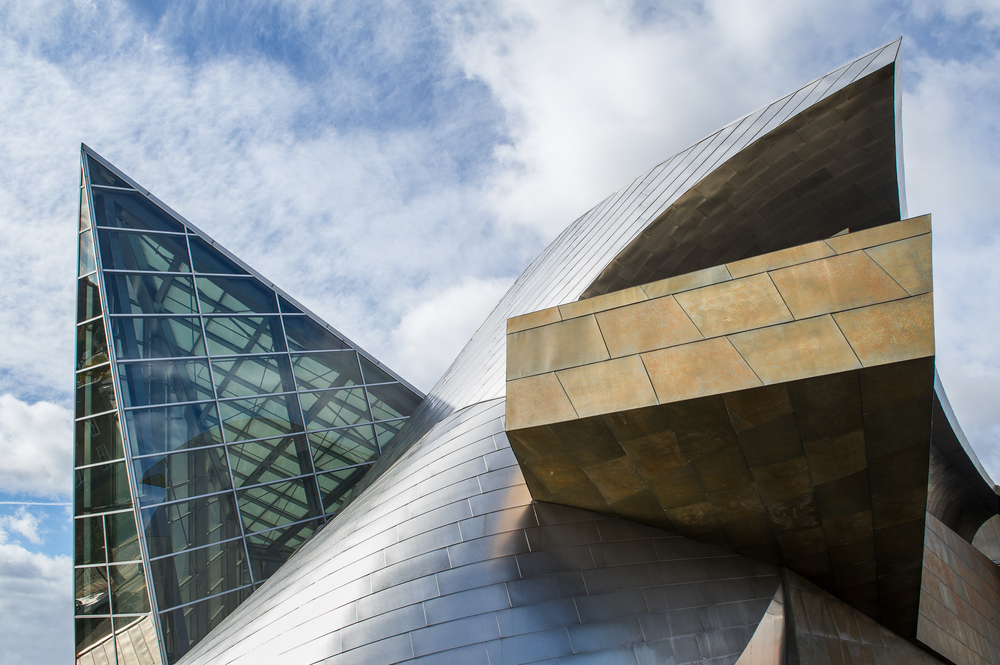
[(224, 419)]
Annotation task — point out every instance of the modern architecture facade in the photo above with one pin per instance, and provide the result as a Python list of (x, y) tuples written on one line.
[(703, 426)]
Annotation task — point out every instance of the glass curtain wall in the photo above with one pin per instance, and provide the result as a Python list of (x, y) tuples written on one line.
[(246, 421)]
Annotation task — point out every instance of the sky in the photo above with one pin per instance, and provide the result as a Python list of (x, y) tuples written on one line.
[(395, 166)]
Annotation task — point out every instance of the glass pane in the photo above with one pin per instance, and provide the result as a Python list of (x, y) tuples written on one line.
[(163, 429), (131, 211), (392, 401), (159, 337), (374, 373), (271, 459), (91, 344), (128, 589), (196, 574), (88, 541), (135, 639), (332, 369), (184, 627), (88, 299), (387, 431), (260, 418), (278, 504), (98, 440), (336, 487), (181, 475), (84, 211), (176, 527), (225, 295), (99, 175), (91, 633), (122, 250), (150, 294), (164, 382), (88, 260), (252, 375), (337, 448), (243, 334), (304, 334), (123, 540), (101, 489), (270, 549), (335, 408), (92, 591), (94, 391), (208, 259), (287, 307)]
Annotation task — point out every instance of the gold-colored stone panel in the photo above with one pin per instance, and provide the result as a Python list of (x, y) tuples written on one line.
[(533, 320), (558, 472), (780, 259), (654, 324), (733, 306), (836, 457), (601, 303), (881, 234), (555, 346), (692, 280), (694, 370), (891, 332), (616, 385), (537, 400), (796, 350), (617, 479), (908, 262), (834, 284)]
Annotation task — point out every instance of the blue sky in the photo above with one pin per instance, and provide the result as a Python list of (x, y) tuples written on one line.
[(395, 166)]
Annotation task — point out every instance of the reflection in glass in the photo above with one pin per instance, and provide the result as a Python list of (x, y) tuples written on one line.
[(98, 440), (99, 175), (88, 299), (145, 293), (95, 391), (158, 337), (129, 210), (163, 429), (393, 400), (84, 211), (304, 334), (335, 408), (181, 475), (331, 369), (90, 633), (287, 307), (272, 459), (374, 373), (102, 488), (277, 504), (337, 448), (184, 627), (197, 574), (252, 375), (244, 419), (128, 589), (335, 487), (88, 541), (176, 527), (235, 295), (135, 640), (91, 344), (243, 334), (92, 591), (387, 431), (164, 382), (124, 250), (208, 259), (123, 539), (88, 260), (270, 549)]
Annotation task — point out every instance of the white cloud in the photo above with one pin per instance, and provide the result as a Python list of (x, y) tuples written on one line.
[(36, 448), (24, 523)]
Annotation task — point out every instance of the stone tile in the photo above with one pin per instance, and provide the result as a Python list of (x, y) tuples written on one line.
[(616, 479), (678, 487), (533, 320), (645, 326), (908, 262), (891, 332), (655, 454), (693, 370), (601, 303), (780, 259), (555, 346), (881, 234), (558, 472), (537, 400), (835, 284), (751, 408), (692, 280), (796, 350), (616, 385), (836, 457), (743, 304)]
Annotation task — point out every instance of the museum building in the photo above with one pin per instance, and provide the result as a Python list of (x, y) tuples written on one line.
[(703, 426)]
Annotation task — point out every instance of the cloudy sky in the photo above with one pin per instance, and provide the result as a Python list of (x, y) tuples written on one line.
[(396, 165)]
